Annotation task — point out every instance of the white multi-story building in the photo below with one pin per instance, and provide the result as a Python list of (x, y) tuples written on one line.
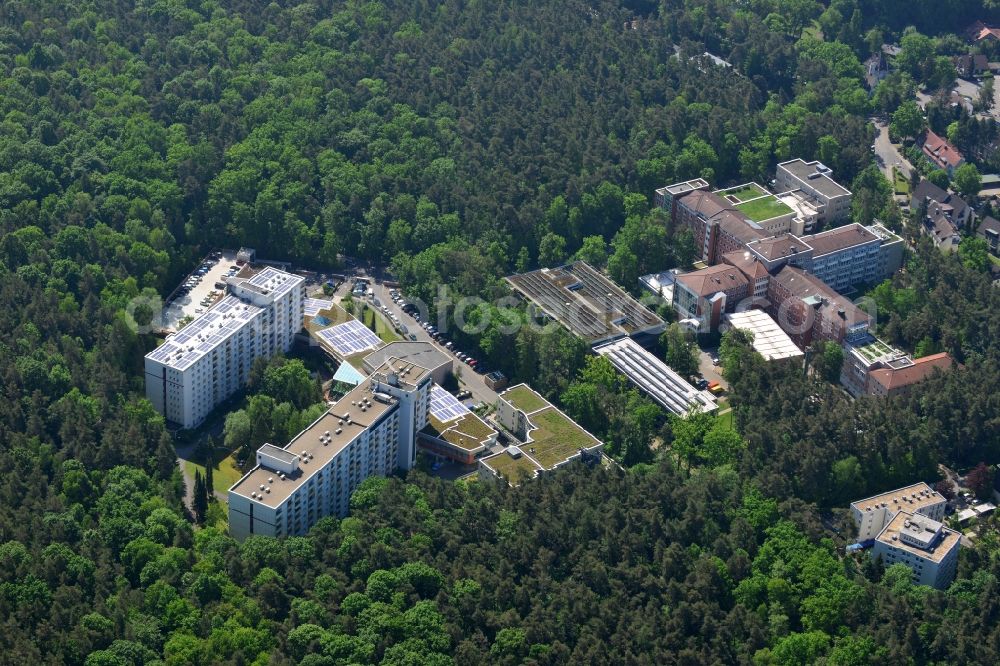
[(208, 360), (925, 545), (871, 515), (831, 199), (281, 295), (371, 431)]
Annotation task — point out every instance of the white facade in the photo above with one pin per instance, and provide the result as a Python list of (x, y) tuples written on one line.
[(832, 200), (871, 515), (208, 360), (923, 544), (371, 431)]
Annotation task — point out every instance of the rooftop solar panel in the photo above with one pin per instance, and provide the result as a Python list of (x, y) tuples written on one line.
[(198, 338), (444, 406), (655, 377), (349, 338), (312, 306)]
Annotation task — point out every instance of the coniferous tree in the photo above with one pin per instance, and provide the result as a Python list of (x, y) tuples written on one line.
[(199, 504)]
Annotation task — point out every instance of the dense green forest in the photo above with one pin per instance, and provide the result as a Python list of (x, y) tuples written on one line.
[(455, 141)]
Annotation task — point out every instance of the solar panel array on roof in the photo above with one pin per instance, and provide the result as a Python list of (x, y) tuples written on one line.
[(585, 301), (655, 377), (312, 306), (349, 338), (202, 335), (444, 406), (273, 282)]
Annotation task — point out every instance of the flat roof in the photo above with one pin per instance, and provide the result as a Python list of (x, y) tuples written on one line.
[(269, 281), (816, 174), (553, 437), (768, 339), (514, 470), (362, 407), (922, 529), (349, 338), (656, 378), (467, 432), (910, 498), (182, 349), (873, 350), (312, 306), (686, 186), (309, 447), (423, 354), (586, 302), (841, 238)]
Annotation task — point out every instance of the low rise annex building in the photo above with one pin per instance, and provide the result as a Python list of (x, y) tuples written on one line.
[(371, 431), (207, 361), (768, 339), (548, 439), (656, 378)]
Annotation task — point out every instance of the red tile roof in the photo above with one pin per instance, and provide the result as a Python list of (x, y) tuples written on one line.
[(922, 368), (940, 151), (711, 280)]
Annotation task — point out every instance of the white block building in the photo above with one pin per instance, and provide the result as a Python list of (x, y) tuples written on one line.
[(831, 200), (208, 360), (871, 515), (371, 431), (925, 545)]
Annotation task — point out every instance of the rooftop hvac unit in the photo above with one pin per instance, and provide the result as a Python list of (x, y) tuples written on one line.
[(267, 490), (270, 479)]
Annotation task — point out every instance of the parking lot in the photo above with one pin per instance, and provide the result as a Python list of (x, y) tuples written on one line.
[(194, 295)]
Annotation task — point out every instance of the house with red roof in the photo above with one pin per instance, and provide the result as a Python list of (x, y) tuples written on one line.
[(941, 152)]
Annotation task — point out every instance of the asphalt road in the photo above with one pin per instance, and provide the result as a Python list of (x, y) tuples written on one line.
[(888, 155)]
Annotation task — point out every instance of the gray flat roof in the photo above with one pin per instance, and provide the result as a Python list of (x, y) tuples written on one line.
[(423, 354), (812, 173)]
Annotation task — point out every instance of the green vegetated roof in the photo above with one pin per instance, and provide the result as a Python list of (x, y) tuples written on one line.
[(524, 399), (763, 208), (514, 470), (555, 438), (743, 192)]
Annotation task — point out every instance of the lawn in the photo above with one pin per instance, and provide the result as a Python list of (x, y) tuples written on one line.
[(382, 327), (900, 184), (224, 474), (524, 399), (763, 208)]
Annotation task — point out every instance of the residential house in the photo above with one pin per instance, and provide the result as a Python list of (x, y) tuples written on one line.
[(941, 152), (952, 205), (969, 66), (979, 31), (876, 69), (989, 230)]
